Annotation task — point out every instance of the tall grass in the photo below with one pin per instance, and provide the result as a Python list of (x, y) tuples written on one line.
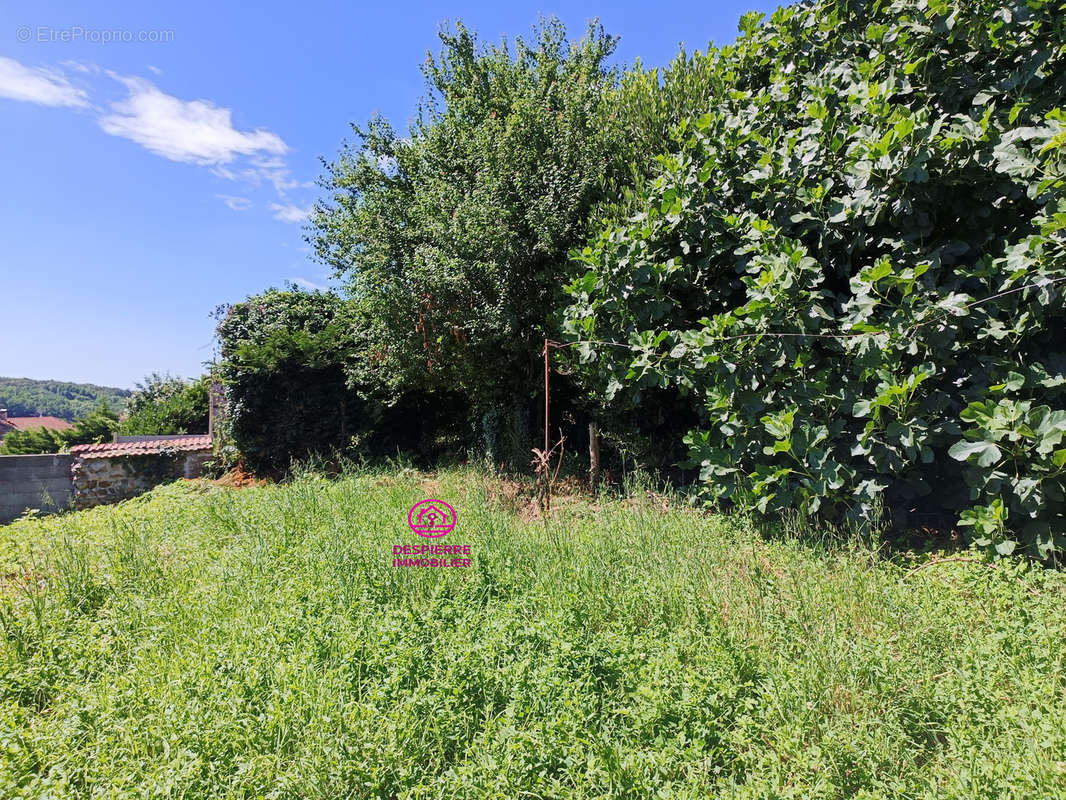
[(206, 642)]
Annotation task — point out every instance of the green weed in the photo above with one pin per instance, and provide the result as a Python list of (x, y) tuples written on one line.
[(207, 642)]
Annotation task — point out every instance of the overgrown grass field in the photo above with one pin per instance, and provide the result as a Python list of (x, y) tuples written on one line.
[(212, 642)]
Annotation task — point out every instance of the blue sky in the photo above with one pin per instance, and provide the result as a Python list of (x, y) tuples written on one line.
[(157, 160)]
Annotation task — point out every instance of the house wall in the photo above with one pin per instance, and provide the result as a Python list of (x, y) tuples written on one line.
[(40, 481), (109, 480)]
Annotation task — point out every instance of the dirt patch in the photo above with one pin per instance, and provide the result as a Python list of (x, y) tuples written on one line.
[(658, 501), (237, 478), (520, 498), (430, 488), (14, 583)]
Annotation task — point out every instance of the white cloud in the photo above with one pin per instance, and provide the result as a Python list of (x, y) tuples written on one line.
[(247, 175), (188, 131), (81, 66), (39, 85), (270, 162), (235, 202), (306, 284), (283, 182), (155, 70), (276, 171), (290, 213), (271, 170), (192, 131)]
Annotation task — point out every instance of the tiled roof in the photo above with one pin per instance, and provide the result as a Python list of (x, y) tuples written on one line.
[(9, 424), (186, 444)]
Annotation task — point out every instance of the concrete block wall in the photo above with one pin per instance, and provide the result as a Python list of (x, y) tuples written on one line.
[(42, 481)]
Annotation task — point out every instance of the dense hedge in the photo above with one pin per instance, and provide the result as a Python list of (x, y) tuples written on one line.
[(281, 366), (808, 272), (286, 365)]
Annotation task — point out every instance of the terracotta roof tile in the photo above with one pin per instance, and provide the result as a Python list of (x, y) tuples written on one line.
[(26, 423), (187, 444)]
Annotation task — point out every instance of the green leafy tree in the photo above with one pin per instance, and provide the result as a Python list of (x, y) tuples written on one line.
[(454, 239), (31, 441), (163, 405), (25, 397), (807, 271), (94, 428), (645, 110)]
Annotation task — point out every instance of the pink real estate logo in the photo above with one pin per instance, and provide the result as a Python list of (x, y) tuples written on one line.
[(431, 518)]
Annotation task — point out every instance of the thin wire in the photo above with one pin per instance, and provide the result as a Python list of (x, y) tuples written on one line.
[(949, 314)]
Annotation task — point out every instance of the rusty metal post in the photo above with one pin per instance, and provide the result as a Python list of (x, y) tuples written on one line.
[(546, 390)]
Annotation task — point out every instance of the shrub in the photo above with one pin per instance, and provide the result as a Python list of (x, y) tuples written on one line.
[(282, 364), (292, 391), (165, 405), (30, 441), (851, 268)]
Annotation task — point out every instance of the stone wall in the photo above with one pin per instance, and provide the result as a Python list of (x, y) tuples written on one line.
[(41, 481), (109, 480)]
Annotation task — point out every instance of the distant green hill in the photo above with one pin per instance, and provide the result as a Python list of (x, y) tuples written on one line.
[(23, 397)]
